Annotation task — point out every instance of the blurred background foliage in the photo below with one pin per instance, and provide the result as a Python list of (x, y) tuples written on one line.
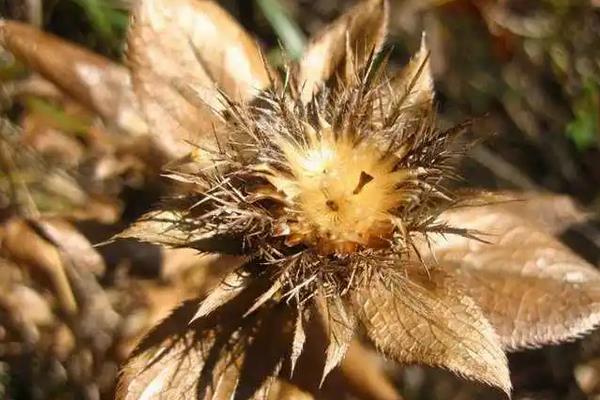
[(530, 67), (528, 70)]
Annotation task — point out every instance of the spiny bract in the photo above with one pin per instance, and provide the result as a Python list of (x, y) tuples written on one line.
[(330, 184)]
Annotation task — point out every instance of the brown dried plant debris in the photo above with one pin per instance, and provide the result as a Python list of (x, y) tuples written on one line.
[(331, 181), (172, 99), (33, 184), (53, 312), (99, 84)]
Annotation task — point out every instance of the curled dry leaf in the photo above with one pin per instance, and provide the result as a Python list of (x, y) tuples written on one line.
[(533, 289), (428, 319), (21, 301), (343, 47), (95, 81), (181, 54), (217, 357)]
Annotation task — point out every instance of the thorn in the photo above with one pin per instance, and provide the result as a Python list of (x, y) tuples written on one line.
[(423, 46), (310, 132), (323, 123), (263, 298)]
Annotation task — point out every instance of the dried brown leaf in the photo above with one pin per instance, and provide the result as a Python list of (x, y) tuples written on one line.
[(232, 285), (159, 227), (171, 228), (414, 83), (221, 356), (299, 339), (361, 29), (550, 212), (533, 289), (91, 79), (181, 53), (340, 325), (425, 318), (266, 296)]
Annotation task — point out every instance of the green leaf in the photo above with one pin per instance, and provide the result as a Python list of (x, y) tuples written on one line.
[(287, 30), (584, 129)]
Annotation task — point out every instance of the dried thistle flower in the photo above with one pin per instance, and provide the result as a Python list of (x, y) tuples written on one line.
[(330, 183)]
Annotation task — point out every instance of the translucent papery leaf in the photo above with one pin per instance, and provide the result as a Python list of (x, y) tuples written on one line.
[(359, 374), (425, 318), (173, 228), (182, 53), (361, 29), (95, 81), (339, 322), (550, 212), (413, 85), (220, 356), (532, 288), (232, 285), (298, 341)]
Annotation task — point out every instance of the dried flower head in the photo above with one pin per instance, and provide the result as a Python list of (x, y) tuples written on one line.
[(330, 183)]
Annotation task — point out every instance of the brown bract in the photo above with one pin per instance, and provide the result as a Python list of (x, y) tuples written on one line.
[(182, 54), (331, 183)]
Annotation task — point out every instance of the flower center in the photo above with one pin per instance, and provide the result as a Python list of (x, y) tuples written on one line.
[(342, 193)]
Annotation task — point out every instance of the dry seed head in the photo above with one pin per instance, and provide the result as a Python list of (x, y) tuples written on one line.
[(342, 192), (323, 191)]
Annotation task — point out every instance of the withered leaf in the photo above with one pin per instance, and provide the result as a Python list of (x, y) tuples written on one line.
[(172, 228), (339, 324), (533, 289), (96, 82), (221, 356), (414, 83), (21, 301), (233, 284), (298, 341), (425, 318), (181, 54), (159, 227), (550, 212), (361, 29)]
